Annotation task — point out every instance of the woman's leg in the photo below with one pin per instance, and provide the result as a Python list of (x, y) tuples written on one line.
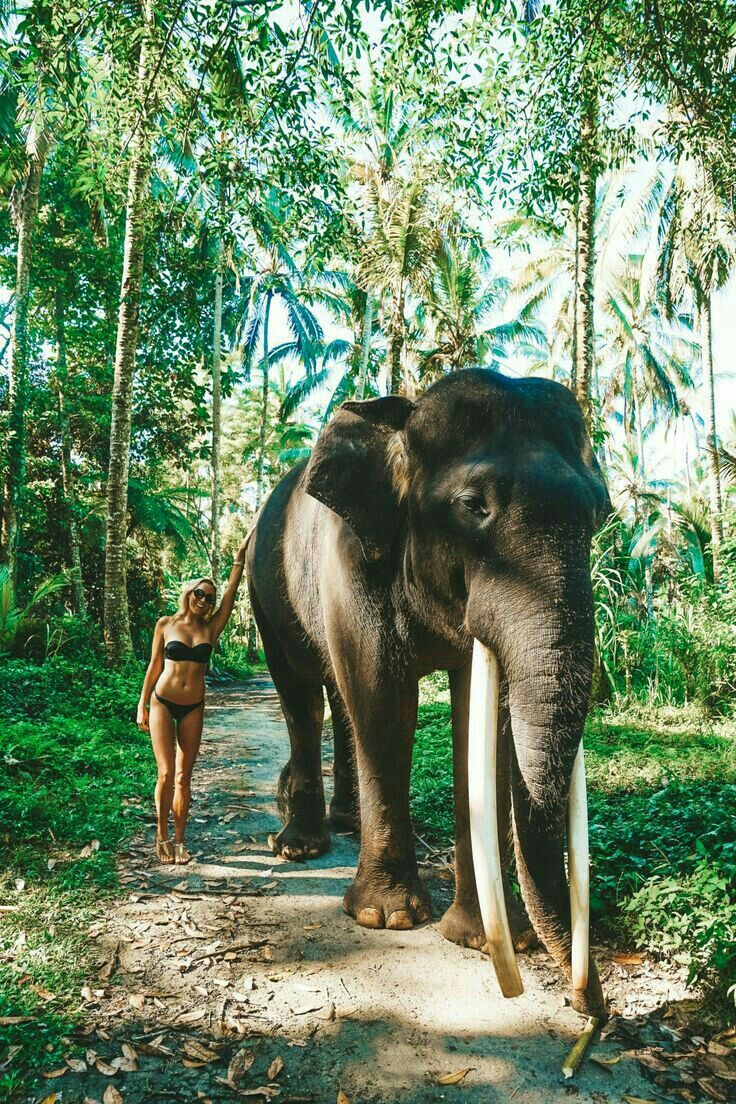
[(162, 738), (189, 738)]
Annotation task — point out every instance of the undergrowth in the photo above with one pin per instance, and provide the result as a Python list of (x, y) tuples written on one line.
[(662, 797), (72, 764)]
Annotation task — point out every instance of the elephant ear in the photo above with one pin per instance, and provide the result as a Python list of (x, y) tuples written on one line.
[(349, 470), (604, 506)]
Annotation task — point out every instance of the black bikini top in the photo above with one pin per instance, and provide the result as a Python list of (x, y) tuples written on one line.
[(177, 649)]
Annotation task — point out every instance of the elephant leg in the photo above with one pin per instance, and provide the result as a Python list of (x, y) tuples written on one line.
[(302, 798), (344, 807), (462, 923), (382, 707)]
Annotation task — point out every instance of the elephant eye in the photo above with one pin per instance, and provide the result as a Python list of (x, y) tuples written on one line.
[(474, 504)]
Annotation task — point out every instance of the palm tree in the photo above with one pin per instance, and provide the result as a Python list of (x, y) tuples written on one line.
[(118, 642), (277, 280), (380, 125), (23, 120), (399, 256), (648, 355), (698, 251), (461, 296)]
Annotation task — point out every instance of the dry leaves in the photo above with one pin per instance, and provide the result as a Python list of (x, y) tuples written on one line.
[(112, 1096), (239, 1065), (341, 1098), (454, 1078), (275, 1068), (192, 1017)]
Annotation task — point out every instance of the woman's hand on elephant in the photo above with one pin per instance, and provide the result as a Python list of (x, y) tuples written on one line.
[(142, 719)]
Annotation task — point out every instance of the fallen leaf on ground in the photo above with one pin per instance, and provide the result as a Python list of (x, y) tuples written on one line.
[(50, 1099), (638, 1099), (192, 1017), (105, 1068), (12, 1051), (112, 1096), (275, 1068), (454, 1078), (605, 1062), (20, 884), (129, 1052), (50, 1074), (155, 1049), (652, 1062), (262, 1090), (239, 1065), (709, 1086), (6, 1021), (136, 1000), (341, 1098), (78, 1065), (200, 1052), (629, 959)]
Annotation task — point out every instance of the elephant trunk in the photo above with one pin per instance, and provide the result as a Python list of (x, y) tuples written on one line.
[(543, 639)]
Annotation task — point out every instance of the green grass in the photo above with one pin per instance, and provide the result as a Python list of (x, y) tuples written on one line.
[(72, 764), (662, 796)]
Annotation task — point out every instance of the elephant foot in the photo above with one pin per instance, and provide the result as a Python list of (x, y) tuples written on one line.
[(298, 841), (381, 900), (306, 833), (463, 924), (344, 816)]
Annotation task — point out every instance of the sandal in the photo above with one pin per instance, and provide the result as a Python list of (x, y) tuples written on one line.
[(181, 855), (164, 851)]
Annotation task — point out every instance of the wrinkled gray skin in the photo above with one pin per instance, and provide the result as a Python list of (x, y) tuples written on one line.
[(413, 528)]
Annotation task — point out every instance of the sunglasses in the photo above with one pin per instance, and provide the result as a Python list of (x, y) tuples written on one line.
[(204, 595)]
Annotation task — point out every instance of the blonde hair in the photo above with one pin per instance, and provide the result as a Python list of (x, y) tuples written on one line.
[(187, 590)]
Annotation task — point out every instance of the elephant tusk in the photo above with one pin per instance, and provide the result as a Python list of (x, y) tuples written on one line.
[(483, 801), (579, 871)]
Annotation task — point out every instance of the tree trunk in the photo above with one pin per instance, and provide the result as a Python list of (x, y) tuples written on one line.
[(216, 402), (25, 210), (365, 344), (585, 261), (79, 603), (711, 439), (118, 643), (396, 340), (574, 299), (264, 406)]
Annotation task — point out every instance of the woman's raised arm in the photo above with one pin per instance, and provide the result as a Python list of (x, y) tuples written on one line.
[(222, 614)]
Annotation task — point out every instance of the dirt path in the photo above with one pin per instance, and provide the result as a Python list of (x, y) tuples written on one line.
[(240, 966)]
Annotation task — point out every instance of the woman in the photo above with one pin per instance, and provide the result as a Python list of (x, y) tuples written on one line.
[(182, 646)]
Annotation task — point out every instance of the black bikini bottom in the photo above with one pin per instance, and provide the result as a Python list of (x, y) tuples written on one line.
[(176, 709)]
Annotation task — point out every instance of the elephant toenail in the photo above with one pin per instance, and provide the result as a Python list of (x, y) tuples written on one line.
[(400, 920), (369, 918), (422, 914)]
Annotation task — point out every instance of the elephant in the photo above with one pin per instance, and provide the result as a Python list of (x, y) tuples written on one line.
[(449, 532)]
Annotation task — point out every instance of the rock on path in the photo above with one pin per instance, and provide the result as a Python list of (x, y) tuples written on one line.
[(240, 977)]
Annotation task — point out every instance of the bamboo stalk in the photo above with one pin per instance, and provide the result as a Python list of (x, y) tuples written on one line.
[(576, 1055)]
